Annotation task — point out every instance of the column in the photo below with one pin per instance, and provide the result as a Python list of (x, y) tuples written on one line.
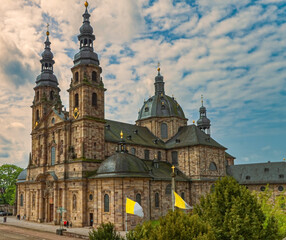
[(55, 203), (41, 206)]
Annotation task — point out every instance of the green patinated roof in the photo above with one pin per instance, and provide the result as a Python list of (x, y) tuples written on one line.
[(258, 173), (190, 136), (142, 137), (153, 108), (164, 171), (187, 136)]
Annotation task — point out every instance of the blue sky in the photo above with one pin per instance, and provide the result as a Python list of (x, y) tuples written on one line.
[(232, 52)]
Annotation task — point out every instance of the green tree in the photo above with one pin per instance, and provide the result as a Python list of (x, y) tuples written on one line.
[(105, 231), (8, 178), (274, 209), (235, 214), (175, 225)]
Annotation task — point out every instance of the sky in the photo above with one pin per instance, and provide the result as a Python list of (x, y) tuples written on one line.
[(232, 52)]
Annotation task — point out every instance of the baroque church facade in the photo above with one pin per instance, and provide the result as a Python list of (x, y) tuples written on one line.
[(88, 165)]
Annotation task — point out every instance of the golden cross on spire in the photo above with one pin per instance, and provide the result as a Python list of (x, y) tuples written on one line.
[(86, 4), (48, 33), (202, 99), (158, 67), (173, 168)]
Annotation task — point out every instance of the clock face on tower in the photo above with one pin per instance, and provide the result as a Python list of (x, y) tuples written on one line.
[(75, 113)]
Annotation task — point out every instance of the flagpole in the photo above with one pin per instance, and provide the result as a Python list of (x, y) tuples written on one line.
[(125, 215), (173, 188)]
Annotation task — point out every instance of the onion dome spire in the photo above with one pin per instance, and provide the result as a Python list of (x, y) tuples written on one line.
[(86, 55), (203, 123), (47, 77), (159, 83)]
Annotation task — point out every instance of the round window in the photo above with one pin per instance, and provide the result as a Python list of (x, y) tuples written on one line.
[(280, 188), (90, 197), (262, 189)]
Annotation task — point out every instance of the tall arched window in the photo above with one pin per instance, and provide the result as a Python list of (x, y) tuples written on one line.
[(53, 155), (51, 95), (21, 200), (76, 100), (106, 203), (146, 154), (159, 155), (85, 42), (157, 203), (37, 115), (183, 195), (138, 198), (174, 157), (164, 130), (168, 189), (94, 76), (33, 201), (94, 99), (76, 77), (37, 96), (74, 203)]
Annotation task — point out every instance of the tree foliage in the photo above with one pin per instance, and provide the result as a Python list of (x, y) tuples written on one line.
[(175, 225), (274, 209), (8, 178), (105, 231), (235, 214)]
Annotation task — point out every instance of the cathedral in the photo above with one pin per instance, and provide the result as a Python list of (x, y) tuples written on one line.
[(87, 164)]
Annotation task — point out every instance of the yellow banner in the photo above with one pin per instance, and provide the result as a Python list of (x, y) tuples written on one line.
[(130, 206)]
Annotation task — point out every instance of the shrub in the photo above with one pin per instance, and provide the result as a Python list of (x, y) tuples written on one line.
[(105, 231)]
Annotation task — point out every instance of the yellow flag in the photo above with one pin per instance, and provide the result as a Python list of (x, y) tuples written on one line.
[(180, 203), (133, 207)]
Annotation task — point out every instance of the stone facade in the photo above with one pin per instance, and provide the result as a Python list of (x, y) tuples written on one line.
[(69, 148)]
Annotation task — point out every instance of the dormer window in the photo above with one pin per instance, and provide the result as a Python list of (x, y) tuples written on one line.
[(266, 170)]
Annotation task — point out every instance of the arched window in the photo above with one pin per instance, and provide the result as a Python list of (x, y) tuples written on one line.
[(183, 195), (37, 96), (164, 130), (157, 203), (53, 155), (168, 189), (212, 166), (146, 154), (21, 200), (76, 77), (76, 100), (94, 76), (51, 95), (159, 155), (90, 43), (106, 203), (90, 197), (138, 198), (33, 200), (174, 157), (37, 115), (74, 203), (81, 43), (94, 99), (85, 42), (133, 151)]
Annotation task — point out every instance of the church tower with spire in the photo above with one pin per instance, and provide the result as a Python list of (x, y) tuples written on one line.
[(46, 89), (161, 114), (204, 123), (86, 96)]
